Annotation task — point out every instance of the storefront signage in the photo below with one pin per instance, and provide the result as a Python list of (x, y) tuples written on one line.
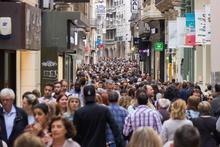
[(136, 41), (5, 26), (159, 46), (49, 65)]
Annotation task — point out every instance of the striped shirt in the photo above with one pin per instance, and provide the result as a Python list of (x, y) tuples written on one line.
[(143, 116)]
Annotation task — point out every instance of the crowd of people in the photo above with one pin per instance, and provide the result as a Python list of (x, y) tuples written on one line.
[(112, 104)]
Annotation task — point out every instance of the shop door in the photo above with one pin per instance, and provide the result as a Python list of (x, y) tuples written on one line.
[(8, 69), (69, 68)]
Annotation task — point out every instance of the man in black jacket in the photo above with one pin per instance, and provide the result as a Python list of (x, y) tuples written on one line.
[(91, 120), (215, 104), (13, 120)]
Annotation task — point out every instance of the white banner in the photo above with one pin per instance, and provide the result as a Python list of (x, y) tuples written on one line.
[(200, 20), (172, 34), (208, 23), (100, 8), (181, 30)]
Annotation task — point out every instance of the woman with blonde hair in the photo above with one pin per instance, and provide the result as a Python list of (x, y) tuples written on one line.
[(206, 124), (145, 137), (177, 119), (72, 105)]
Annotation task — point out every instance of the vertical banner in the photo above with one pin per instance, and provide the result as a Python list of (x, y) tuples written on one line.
[(134, 6), (200, 23), (172, 34), (101, 8), (190, 29), (181, 30), (208, 23), (49, 66)]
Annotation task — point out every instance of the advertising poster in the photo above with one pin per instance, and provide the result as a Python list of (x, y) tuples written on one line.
[(200, 20), (190, 29), (208, 24)]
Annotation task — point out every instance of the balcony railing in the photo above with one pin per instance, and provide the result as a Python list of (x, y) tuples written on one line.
[(110, 41)]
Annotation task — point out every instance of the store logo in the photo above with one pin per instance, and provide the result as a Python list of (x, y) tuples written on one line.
[(49, 64), (5, 27)]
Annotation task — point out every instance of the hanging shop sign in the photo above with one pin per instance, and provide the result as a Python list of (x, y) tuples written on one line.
[(159, 46), (134, 6)]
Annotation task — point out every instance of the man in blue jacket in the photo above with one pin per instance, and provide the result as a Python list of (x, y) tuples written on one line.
[(13, 120)]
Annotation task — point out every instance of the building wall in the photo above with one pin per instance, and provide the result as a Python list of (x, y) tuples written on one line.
[(31, 2), (118, 34), (28, 72), (123, 15), (28, 68), (215, 23), (198, 67), (203, 58)]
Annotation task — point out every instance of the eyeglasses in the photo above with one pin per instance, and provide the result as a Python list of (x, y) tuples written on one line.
[(5, 100)]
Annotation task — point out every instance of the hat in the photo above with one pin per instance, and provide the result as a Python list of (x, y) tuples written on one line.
[(89, 91)]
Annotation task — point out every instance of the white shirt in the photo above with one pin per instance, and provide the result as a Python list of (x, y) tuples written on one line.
[(31, 119), (9, 120)]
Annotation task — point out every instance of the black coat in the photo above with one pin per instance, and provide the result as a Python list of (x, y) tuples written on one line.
[(90, 122), (207, 130), (20, 122), (215, 106)]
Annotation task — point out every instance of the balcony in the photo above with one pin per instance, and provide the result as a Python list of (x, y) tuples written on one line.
[(111, 24), (110, 41), (110, 10), (164, 5)]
